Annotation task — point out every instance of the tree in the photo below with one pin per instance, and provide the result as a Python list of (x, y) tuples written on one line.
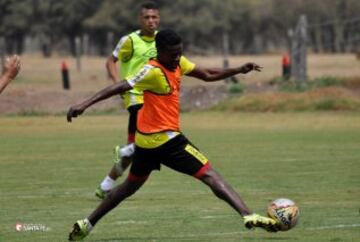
[(15, 23)]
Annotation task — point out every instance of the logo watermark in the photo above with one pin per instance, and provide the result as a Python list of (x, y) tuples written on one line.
[(22, 227)]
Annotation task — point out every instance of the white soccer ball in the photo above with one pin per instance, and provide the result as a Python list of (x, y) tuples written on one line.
[(285, 211)]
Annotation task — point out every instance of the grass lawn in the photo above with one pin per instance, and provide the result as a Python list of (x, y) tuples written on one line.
[(49, 170)]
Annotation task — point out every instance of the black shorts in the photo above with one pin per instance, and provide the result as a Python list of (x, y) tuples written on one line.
[(178, 154), (133, 112)]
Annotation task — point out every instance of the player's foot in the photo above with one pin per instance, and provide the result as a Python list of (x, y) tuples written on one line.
[(100, 193), (255, 220), (80, 230)]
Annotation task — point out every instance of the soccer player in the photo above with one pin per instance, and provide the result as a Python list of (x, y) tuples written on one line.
[(158, 139), (11, 69), (133, 51)]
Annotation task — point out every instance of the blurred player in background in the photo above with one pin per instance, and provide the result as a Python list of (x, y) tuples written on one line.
[(133, 51)]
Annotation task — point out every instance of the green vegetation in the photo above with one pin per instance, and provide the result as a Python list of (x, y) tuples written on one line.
[(319, 94), (319, 82), (234, 88), (316, 100), (49, 170), (251, 28)]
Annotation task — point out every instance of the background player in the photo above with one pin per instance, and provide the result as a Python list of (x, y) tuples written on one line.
[(133, 51)]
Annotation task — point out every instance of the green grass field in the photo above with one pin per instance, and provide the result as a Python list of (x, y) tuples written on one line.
[(49, 170)]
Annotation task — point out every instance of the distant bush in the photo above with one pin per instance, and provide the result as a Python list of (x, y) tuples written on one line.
[(235, 88), (324, 99), (326, 81), (298, 86)]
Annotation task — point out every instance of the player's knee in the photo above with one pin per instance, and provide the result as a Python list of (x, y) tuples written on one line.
[(215, 182), (127, 150)]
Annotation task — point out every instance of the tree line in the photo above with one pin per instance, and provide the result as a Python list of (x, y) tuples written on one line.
[(252, 26)]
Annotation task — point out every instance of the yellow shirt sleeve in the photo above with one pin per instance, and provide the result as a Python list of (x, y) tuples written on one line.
[(186, 66), (124, 49), (150, 78)]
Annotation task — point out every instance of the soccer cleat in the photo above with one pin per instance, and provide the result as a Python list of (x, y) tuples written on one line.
[(255, 220), (80, 230), (100, 193)]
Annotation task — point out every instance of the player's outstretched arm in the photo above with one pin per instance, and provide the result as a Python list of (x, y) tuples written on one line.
[(216, 74), (105, 93), (11, 69)]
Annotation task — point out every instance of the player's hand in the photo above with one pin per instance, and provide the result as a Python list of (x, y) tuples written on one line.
[(12, 66), (250, 66), (74, 111)]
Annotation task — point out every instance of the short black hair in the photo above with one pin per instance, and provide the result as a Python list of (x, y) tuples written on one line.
[(167, 38), (149, 5)]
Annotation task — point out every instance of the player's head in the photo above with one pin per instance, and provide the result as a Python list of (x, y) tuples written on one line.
[(169, 48), (149, 17)]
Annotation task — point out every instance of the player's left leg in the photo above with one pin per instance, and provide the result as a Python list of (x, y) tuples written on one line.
[(225, 192), (184, 157)]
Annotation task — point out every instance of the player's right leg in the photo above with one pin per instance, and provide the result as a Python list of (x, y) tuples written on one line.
[(140, 170), (80, 230), (119, 193)]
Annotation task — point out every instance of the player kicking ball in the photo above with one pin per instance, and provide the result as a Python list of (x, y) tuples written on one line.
[(158, 139)]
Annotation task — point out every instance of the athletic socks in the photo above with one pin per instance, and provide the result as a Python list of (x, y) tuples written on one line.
[(107, 183)]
